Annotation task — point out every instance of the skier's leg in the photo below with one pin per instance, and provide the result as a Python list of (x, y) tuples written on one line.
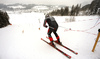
[(50, 37), (57, 37), (49, 34)]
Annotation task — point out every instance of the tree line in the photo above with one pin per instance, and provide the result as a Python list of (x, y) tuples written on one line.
[(94, 7), (89, 9), (65, 11)]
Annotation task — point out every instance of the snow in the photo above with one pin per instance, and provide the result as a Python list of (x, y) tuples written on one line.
[(19, 6), (40, 7), (22, 39)]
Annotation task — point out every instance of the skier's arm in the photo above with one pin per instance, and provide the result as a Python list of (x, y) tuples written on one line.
[(44, 24)]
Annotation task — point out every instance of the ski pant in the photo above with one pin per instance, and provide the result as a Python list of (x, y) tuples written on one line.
[(50, 30)]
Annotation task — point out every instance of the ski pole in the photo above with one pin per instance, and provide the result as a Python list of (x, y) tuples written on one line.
[(51, 27), (97, 21), (65, 27), (61, 27)]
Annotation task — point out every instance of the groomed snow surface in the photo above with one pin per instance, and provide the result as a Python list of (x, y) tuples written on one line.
[(22, 39)]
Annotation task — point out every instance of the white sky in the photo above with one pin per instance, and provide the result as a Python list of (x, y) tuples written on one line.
[(50, 2)]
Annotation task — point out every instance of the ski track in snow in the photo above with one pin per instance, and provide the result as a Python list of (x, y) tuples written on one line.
[(22, 39)]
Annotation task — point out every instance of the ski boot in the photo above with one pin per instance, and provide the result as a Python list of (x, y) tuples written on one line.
[(51, 43), (58, 41)]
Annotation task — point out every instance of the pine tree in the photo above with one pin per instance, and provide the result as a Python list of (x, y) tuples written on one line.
[(66, 11), (77, 9), (72, 13), (62, 12), (4, 19)]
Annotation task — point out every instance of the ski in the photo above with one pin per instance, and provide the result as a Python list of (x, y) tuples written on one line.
[(58, 49), (66, 48)]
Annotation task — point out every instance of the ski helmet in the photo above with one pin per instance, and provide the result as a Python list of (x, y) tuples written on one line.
[(46, 16)]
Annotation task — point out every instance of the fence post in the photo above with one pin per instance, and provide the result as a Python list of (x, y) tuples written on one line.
[(96, 40)]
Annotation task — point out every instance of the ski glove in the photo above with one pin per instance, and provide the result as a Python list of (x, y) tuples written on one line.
[(46, 26)]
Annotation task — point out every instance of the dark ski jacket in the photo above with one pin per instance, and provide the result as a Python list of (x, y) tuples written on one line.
[(51, 22)]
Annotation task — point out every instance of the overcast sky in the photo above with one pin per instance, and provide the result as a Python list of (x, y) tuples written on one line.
[(50, 2)]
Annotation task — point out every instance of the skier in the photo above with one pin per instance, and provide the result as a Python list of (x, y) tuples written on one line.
[(53, 26)]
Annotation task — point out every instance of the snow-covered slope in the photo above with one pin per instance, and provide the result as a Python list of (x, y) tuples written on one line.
[(22, 39), (14, 7)]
